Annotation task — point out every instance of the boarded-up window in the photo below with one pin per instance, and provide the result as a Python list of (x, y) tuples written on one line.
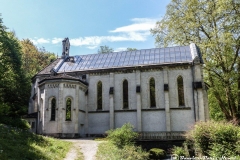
[(68, 109), (180, 86), (99, 95), (152, 93), (125, 94), (53, 109)]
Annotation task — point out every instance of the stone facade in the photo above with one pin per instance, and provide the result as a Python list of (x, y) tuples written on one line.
[(81, 88)]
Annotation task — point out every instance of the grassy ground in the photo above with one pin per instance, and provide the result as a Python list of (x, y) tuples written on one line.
[(18, 144), (109, 151)]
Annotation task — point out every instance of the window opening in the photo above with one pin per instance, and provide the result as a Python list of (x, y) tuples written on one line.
[(181, 101), (152, 93), (99, 95), (125, 94), (53, 109), (68, 109)]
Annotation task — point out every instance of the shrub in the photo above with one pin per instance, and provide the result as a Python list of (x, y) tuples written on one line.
[(156, 153), (215, 139), (14, 122), (122, 136), (179, 151)]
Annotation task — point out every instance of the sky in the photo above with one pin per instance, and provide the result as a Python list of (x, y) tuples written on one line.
[(89, 24)]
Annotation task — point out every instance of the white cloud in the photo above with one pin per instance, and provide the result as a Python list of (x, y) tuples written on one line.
[(56, 40), (140, 24), (120, 49), (39, 40), (139, 30), (42, 40), (92, 47)]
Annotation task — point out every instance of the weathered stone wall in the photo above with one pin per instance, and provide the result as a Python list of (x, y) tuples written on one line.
[(98, 123), (153, 121), (86, 119)]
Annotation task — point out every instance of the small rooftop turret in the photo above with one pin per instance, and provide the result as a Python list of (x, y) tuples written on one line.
[(66, 47)]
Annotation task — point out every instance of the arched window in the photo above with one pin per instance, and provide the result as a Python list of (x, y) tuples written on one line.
[(99, 95), (152, 92), (68, 109), (125, 94), (53, 109), (41, 108), (180, 87)]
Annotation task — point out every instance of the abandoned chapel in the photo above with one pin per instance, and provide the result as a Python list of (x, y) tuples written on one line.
[(156, 90)]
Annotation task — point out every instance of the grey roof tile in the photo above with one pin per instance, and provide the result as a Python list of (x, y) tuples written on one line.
[(47, 69), (144, 57), (155, 56)]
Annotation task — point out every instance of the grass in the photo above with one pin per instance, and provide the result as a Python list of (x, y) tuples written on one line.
[(19, 144), (108, 151)]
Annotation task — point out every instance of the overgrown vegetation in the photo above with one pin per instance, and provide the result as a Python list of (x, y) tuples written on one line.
[(16, 143), (14, 122), (213, 25), (120, 145), (20, 60), (156, 153), (122, 136), (213, 139), (179, 151)]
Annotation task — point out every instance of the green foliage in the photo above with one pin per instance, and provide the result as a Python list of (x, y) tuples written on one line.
[(105, 49), (120, 145), (179, 151), (109, 151), (214, 26), (157, 153), (122, 136), (34, 59), (131, 49), (14, 91), (19, 61), (20, 144), (15, 122), (215, 139)]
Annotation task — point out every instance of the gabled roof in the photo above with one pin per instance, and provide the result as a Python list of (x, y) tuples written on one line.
[(144, 57)]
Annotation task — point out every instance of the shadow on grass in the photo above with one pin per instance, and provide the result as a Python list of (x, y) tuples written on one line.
[(20, 144)]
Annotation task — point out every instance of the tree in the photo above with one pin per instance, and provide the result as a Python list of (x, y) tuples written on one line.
[(13, 86), (105, 49), (214, 25), (34, 59), (131, 49)]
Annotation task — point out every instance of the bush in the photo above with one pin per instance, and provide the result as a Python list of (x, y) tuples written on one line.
[(14, 122), (179, 151), (122, 136), (215, 139), (156, 153)]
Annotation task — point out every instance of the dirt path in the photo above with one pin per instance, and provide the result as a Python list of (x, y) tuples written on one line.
[(87, 146)]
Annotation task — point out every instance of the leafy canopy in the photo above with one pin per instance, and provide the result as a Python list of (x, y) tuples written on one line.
[(214, 25), (105, 49)]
